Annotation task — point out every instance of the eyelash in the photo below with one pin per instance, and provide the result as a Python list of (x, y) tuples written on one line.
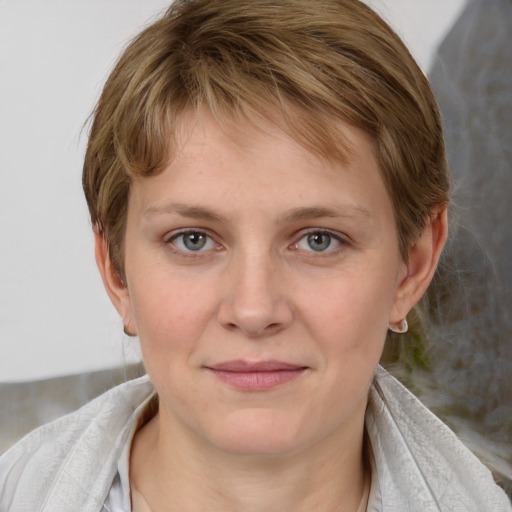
[(336, 237), (342, 242), (171, 242)]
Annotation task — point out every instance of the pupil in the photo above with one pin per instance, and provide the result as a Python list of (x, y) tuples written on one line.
[(194, 241), (319, 241)]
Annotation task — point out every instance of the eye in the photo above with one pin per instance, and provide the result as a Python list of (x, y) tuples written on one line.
[(318, 241), (193, 241)]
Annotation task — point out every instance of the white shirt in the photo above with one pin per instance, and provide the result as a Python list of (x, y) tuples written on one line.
[(81, 461)]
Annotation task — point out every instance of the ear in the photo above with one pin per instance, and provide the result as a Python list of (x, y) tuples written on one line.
[(116, 289), (420, 267)]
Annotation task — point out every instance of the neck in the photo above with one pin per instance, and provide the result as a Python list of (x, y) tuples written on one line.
[(175, 476)]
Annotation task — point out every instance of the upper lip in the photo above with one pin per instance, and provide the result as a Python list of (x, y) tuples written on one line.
[(255, 366)]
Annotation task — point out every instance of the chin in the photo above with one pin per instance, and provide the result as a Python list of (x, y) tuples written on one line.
[(257, 433)]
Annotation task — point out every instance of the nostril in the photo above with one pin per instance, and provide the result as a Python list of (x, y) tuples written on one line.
[(255, 316)]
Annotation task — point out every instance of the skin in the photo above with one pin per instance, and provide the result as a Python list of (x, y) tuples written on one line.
[(258, 291)]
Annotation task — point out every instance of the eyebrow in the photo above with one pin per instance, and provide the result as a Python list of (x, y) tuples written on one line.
[(295, 215), (305, 213), (184, 210)]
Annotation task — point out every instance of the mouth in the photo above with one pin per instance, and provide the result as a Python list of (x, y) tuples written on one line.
[(256, 376)]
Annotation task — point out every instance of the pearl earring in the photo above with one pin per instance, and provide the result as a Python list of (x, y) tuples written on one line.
[(399, 328)]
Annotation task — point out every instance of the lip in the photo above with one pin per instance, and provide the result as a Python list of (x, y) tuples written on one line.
[(256, 375)]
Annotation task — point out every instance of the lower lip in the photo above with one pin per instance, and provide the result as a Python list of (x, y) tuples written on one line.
[(258, 381)]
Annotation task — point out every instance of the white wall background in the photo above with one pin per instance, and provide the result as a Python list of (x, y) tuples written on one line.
[(55, 318)]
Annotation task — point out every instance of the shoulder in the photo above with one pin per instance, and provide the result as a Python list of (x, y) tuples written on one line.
[(70, 461), (420, 462)]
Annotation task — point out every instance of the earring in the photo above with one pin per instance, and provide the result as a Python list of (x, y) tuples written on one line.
[(401, 328)]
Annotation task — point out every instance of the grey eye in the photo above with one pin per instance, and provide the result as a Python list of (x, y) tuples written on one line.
[(194, 241), (319, 242)]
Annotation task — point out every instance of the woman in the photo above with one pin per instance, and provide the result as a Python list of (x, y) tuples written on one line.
[(268, 190)]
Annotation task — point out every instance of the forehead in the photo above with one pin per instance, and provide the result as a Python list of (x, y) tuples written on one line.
[(330, 144), (243, 167)]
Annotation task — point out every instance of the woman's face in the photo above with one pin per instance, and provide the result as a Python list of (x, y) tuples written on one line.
[(261, 281)]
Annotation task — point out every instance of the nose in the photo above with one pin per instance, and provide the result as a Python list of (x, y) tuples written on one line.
[(253, 301)]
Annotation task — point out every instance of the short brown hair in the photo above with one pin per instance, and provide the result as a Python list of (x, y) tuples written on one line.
[(313, 61)]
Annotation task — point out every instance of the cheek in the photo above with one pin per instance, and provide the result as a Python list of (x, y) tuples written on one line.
[(349, 314), (170, 313)]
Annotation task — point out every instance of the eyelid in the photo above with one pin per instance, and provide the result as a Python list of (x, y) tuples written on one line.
[(342, 237), (343, 240), (170, 237), (175, 233)]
